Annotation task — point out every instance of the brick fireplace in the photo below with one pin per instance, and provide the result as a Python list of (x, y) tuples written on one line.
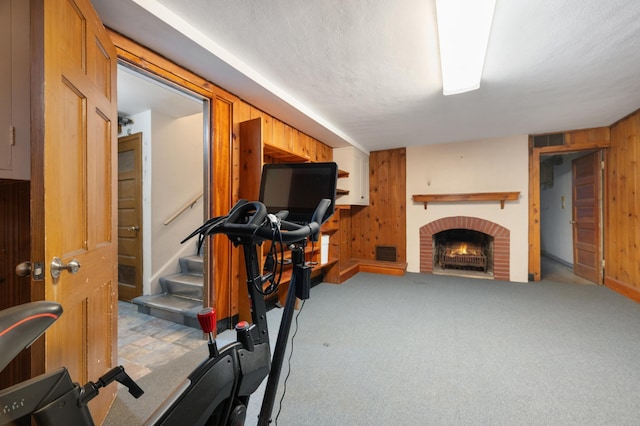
[(500, 245)]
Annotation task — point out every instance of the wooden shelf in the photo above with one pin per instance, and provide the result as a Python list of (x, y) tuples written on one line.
[(282, 155), (475, 196), (328, 231), (342, 174)]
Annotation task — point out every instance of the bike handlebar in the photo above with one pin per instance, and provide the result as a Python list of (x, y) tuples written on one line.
[(251, 220)]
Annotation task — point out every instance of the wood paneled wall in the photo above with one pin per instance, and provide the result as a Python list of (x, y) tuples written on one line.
[(248, 157), (218, 267), (15, 247), (275, 133), (219, 247), (622, 208), (383, 222)]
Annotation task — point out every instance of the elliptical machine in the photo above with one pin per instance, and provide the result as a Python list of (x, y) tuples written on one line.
[(217, 392)]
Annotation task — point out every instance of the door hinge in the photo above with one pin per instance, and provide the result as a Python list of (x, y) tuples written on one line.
[(602, 262), (12, 136), (602, 165)]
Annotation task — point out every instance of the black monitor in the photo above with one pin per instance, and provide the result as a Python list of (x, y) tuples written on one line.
[(298, 188)]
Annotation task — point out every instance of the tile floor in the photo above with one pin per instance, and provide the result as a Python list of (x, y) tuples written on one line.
[(145, 341)]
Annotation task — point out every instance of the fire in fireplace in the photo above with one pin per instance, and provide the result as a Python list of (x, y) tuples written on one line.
[(461, 255), (463, 249)]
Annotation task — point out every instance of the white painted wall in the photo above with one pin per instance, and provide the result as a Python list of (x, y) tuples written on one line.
[(172, 174), (556, 233), (489, 165), (15, 89), (177, 177)]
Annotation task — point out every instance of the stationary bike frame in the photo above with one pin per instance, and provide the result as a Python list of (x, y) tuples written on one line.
[(240, 367), (217, 392)]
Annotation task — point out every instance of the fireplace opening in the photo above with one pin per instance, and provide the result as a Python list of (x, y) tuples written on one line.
[(463, 250), (495, 242)]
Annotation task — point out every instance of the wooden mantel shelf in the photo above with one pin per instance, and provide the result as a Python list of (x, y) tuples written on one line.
[(476, 196)]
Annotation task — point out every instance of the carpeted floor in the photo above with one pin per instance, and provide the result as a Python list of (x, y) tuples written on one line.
[(439, 350)]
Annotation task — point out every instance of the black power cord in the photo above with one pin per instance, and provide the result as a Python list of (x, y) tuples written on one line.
[(273, 258), (284, 390)]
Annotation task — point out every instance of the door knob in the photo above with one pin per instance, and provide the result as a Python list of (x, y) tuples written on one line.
[(572, 222), (23, 269), (57, 266), (133, 228)]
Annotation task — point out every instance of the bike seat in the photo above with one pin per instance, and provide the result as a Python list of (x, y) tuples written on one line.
[(21, 325)]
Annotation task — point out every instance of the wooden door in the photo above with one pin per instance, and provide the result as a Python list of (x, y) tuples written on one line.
[(74, 186), (130, 217), (587, 253)]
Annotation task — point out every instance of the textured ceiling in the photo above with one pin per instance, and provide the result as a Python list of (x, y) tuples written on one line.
[(366, 72)]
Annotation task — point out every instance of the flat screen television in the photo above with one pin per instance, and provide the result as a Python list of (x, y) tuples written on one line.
[(298, 188)]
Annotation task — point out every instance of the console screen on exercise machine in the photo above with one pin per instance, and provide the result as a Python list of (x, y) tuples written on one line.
[(298, 188)]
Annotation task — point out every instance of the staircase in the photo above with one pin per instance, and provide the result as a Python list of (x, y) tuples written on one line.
[(181, 297)]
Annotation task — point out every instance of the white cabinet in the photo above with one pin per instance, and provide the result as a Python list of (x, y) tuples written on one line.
[(14, 90), (356, 163)]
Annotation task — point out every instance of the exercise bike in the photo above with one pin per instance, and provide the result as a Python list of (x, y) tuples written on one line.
[(217, 391)]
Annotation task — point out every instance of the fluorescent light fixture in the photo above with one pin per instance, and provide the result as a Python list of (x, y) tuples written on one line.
[(463, 30)]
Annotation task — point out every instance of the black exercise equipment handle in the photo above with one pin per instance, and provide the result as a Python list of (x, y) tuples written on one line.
[(248, 220)]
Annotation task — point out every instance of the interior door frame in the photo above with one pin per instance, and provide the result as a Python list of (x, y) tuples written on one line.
[(582, 140), (218, 155)]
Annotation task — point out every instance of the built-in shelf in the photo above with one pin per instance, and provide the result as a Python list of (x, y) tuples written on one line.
[(282, 155), (342, 174), (476, 196)]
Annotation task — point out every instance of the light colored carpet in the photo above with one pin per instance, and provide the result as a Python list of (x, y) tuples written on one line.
[(439, 350)]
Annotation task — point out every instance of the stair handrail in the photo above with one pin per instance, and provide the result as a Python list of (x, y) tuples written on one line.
[(188, 205)]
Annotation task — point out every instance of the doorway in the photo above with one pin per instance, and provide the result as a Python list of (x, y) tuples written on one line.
[(564, 245), (170, 123)]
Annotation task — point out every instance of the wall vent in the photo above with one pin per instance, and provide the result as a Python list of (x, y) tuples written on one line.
[(555, 139), (386, 253)]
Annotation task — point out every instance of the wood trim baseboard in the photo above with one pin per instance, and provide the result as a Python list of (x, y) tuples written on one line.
[(623, 288), (354, 266)]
